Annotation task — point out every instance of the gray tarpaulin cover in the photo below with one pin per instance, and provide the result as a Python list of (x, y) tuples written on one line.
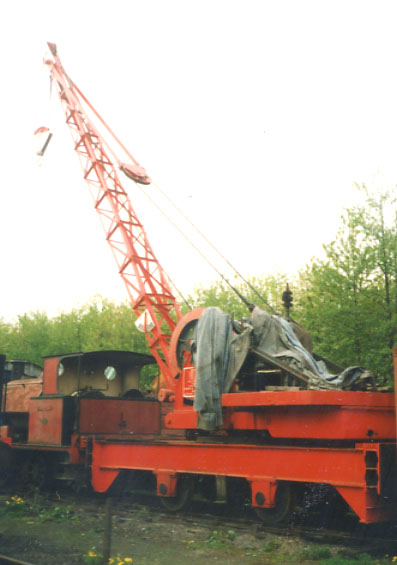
[(219, 353)]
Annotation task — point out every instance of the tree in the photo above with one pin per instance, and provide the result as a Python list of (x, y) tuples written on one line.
[(29, 337), (348, 300), (5, 335), (97, 325), (381, 239), (267, 295)]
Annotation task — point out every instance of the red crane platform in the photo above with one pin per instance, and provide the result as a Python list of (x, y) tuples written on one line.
[(303, 414)]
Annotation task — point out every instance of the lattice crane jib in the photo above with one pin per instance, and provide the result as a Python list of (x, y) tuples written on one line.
[(146, 282)]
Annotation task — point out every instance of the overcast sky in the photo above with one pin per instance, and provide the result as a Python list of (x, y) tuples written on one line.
[(255, 117)]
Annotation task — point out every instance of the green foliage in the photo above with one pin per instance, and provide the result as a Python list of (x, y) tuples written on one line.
[(219, 538), (359, 559), (57, 514), (100, 324), (97, 325), (270, 546), (93, 558), (267, 295), (29, 337), (315, 553), (5, 335), (15, 506), (348, 301)]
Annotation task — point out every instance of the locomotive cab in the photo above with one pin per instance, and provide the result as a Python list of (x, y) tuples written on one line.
[(111, 374), (84, 394)]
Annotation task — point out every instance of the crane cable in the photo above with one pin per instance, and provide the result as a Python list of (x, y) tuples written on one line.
[(221, 275), (123, 147), (118, 141), (88, 123), (216, 250)]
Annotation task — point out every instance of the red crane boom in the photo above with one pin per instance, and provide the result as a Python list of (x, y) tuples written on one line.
[(146, 281)]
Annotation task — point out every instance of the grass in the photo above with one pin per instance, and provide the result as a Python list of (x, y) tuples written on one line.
[(57, 514), (15, 506), (315, 553)]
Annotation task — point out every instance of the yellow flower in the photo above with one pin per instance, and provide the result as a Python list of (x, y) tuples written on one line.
[(111, 560), (7, 502), (394, 560), (128, 559), (91, 554)]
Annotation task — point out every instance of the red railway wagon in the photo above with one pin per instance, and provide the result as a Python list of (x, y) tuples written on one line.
[(276, 441)]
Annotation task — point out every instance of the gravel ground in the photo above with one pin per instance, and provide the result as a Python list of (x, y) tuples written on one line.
[(62, 529)]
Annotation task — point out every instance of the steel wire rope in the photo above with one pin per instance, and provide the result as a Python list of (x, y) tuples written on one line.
[(246, 302), (107, 145), (123, 147), (214, 248)]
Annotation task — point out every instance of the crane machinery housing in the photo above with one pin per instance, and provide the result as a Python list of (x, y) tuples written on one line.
[(241, 402)]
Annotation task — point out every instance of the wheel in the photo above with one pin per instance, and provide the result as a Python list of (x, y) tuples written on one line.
[(7, 465), (37, 471), (184, 494), (181, 339), (285, 501)]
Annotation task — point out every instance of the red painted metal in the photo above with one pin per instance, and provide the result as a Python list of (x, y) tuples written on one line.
[(124, 417), (166, 483), (329, 398), (266, 489), (190, 318), (50, 372), (304, 414), (315, 414), (317, 422), (5, 435), (344, 468), (19, 393), (45, 421), (145, 280)]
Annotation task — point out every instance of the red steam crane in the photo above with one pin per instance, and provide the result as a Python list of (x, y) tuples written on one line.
[(147, 284), (265, 425)]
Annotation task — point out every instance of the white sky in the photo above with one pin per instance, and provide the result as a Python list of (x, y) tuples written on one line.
[(256, 117)]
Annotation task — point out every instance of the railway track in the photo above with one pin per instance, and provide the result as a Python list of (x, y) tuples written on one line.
[(309, 526), (372, 539), (306, 525), (4, 560)]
